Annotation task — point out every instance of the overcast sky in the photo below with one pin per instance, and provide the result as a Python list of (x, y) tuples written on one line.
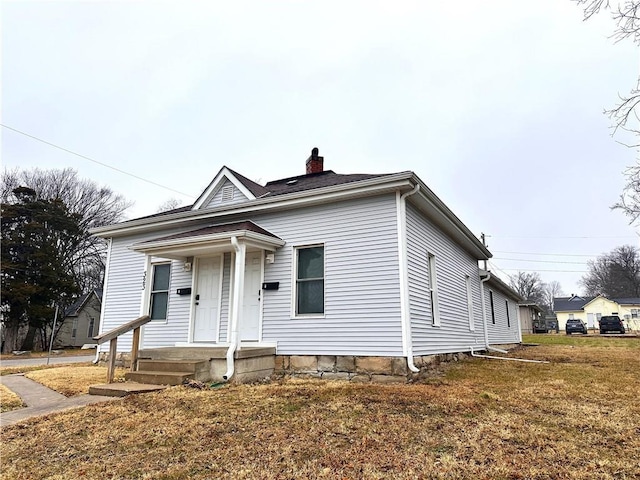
[(496, 105)]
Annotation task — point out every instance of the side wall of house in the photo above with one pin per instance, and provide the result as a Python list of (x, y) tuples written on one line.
[(503, 324), (453, 265), (526, 319), (123, 295), (361, 279)]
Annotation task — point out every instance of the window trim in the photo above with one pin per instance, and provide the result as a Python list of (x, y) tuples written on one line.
[(294, 281), (433, 289), (506, 306), (74, 328), (472, 325), (152, 292), (91, 327), (493, 309)]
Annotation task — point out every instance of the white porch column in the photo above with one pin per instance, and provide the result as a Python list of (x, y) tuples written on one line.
[(238, 289)]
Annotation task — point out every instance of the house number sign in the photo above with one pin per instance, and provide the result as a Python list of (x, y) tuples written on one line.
[(144, 279)]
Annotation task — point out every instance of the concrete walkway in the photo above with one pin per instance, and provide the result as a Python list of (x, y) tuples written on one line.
[(30, 361), (41, 400)]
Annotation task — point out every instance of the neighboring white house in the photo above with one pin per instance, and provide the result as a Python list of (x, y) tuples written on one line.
[(362, 265)]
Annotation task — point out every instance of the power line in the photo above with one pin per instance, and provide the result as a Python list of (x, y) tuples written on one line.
[(96, 161), (538, 261), (580, 237), (537, 270), (546, 254)]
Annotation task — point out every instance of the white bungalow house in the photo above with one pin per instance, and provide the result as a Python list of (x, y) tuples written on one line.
[(334, 274)]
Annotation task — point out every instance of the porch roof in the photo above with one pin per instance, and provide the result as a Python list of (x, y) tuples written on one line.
[(210, 240)]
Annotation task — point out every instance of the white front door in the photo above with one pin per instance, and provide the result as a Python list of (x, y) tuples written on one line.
[(590, 323), (250, 322), (207, 300)]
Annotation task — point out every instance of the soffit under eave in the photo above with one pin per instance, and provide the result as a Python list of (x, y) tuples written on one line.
[(434, 214)]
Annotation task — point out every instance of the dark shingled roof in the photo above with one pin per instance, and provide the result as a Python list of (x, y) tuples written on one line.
[(327, 178), (74, 309), (627, 301), (226, 227), (255, 188), (570, 304)]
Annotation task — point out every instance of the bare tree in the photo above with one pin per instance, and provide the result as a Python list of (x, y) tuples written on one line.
[(529, 286), (626, 114), (94, 205), (615, 274), (550, 291), (170, 204)]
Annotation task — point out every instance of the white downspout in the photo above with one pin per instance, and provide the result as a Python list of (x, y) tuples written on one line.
[(405, 316), (237, 305), (474, 354), (484, 311)]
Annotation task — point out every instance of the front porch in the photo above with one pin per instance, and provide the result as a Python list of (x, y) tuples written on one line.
[(159, 367)]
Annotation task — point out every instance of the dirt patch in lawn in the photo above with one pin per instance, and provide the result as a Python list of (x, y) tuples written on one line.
[(482, 419)]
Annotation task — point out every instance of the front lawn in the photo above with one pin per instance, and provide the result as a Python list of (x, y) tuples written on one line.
[(574, 418)]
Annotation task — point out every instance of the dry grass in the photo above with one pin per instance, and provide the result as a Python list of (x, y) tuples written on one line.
[(8, 400), (73, 380), (575, 418)]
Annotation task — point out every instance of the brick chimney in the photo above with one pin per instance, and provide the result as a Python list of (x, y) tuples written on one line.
[(315, 163)]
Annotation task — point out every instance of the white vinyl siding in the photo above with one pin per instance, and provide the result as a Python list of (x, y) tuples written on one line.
[(122, 298), (227, 194), (505, 329), (469, 285), (453, 264), (226, 299), (361, 280)]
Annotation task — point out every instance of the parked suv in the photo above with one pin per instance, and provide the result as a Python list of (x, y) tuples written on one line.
[(575, 325), (611, 323)]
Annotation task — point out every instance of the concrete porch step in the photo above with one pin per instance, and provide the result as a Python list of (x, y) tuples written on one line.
[(159, 377), (188, 366), (123, 389)]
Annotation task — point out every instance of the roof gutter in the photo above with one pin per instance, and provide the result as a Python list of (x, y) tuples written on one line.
[(407, 341)]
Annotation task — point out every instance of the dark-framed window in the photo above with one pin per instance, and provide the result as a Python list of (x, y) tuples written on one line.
[(493, 311), (309, 280), (433, 289), (506, 305), (160, 291)]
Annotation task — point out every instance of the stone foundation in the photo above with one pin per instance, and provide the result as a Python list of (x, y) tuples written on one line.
[(123, 359), (359, 369)]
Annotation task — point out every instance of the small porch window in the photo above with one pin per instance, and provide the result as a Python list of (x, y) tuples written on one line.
[(310, 280), (160, 291)]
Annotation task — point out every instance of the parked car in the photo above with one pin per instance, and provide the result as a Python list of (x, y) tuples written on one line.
[(611, 323), (575, 325), (540, 326)]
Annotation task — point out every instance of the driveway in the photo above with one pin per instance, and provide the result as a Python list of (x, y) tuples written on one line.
[(30, 361)]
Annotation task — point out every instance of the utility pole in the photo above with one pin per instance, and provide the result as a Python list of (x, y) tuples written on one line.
[(484, 242)]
